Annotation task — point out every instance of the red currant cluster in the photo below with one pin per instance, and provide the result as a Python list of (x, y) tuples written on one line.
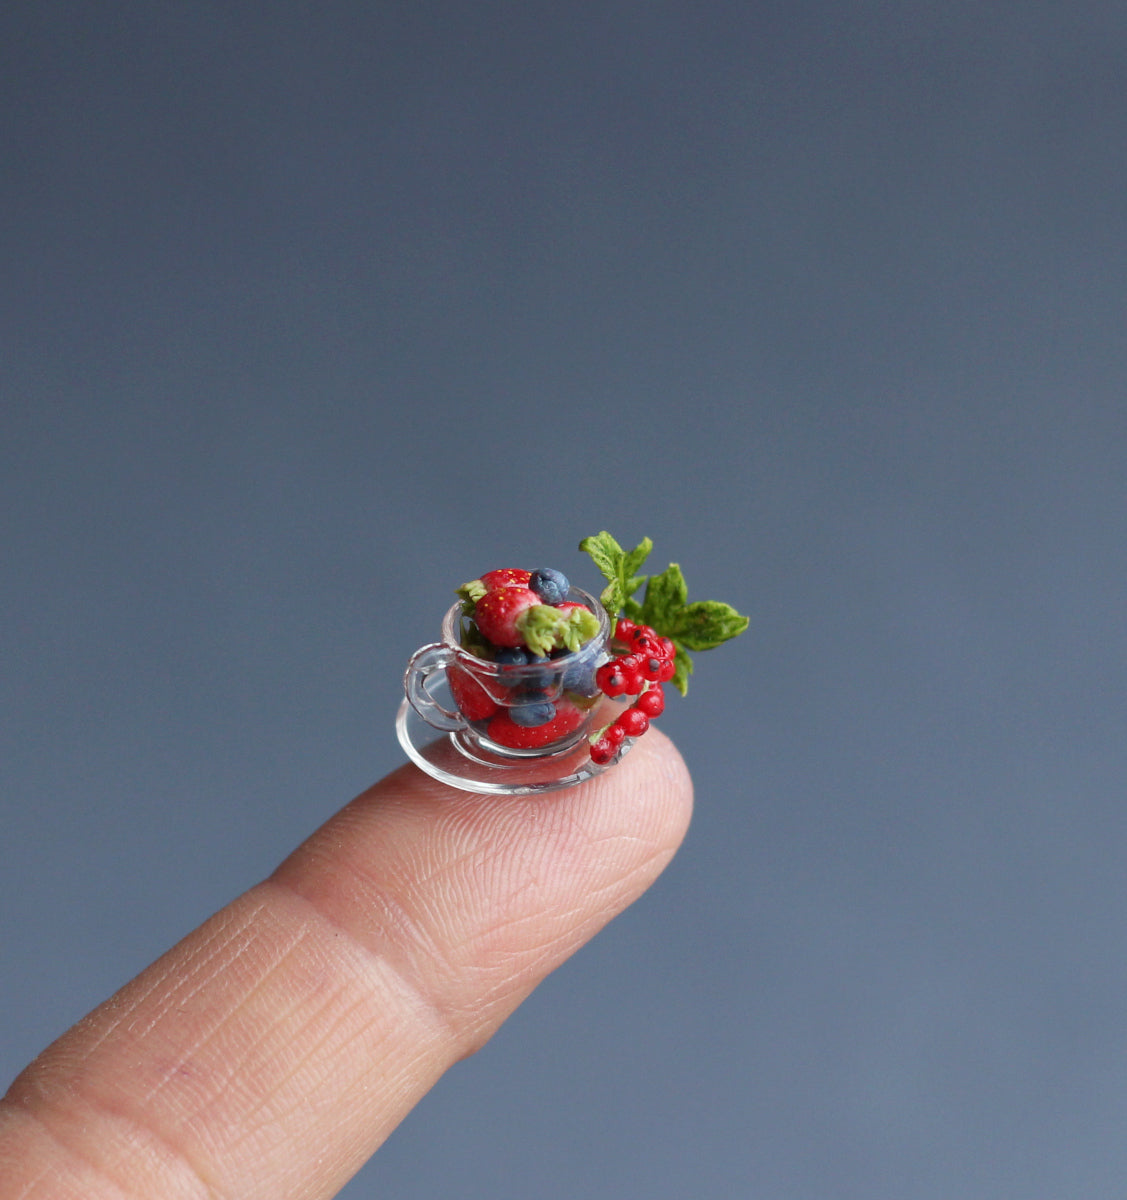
[(647, 664)]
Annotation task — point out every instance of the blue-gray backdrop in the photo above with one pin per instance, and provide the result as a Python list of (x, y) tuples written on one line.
[(308, 310)]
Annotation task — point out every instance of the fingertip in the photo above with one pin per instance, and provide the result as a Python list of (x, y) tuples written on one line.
[(278, 1044), (646, 800), (669, 778)]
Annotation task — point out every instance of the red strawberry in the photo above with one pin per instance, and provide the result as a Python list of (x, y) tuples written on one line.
[(473, 701), (506, 732), (506, 577), (497, 611)]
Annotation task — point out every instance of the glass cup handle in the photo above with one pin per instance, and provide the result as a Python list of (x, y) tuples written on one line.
[(425, 662)]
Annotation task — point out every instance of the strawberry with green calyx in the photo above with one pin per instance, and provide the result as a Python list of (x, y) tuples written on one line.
[(545, 627), (473, 591), (664, 607), (506, 577), (541, 628), (498, 612), (506, 613), (508, 617)]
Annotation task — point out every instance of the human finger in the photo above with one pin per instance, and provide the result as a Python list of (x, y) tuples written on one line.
[(272, 1050)]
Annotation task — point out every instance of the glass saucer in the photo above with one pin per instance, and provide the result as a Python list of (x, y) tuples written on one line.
[(452, 758)]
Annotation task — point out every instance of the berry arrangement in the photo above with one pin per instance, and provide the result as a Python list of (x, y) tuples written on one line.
[(550, 669), (523, 623)]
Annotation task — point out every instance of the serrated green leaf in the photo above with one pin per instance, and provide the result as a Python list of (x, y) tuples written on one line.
[(705, 624), (606, 553), (698, 626), (632, 583), (611, 597), (665, 597), (617, 567), (682, 669), (637, 556)]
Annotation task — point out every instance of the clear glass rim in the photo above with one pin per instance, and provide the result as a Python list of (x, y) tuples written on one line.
[(483, 666), (440, 756)]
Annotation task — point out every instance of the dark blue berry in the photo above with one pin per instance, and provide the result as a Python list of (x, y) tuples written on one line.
[(521, 668), (580, 676), (551, 586), (538, 678), (511, 659), (532, 710), (579, 673)]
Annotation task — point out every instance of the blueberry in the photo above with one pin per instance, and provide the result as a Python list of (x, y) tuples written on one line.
[(532, 710), (579, 672), (580, 677), (551, 586), (516, 657), (537, 679)]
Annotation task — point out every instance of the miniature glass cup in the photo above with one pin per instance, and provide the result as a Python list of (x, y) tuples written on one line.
[(532, 710)]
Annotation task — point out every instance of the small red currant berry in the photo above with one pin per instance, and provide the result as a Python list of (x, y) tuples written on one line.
[(668, 647), (611, 679), (668, 670), (651, 701), (652, 666), (644, 644), (634, 722), (631, 667), (614, 734), (624, 630), (603, 750)]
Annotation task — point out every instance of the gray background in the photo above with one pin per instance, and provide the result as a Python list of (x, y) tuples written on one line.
[(311, 311)]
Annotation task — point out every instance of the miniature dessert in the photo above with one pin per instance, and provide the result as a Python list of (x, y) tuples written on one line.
[(539, 669)]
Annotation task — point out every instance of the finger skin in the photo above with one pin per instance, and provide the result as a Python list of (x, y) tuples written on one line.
[(271, 1051)]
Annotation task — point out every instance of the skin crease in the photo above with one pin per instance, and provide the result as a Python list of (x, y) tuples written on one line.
[(274, 1049)]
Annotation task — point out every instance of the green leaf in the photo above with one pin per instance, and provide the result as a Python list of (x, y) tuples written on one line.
[(606, 553), (705, 624), (633, 610), (683, 668), (618, 567), (665, 597), (631, 581), (665, 606), (637, 556)]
